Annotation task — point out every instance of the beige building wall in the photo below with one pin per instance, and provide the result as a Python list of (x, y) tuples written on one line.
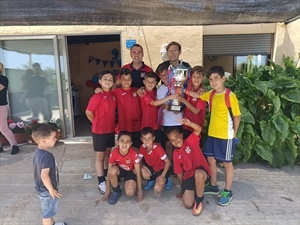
[(152, 38), (287, 41)]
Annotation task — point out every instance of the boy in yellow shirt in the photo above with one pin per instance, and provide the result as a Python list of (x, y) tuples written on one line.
[(222, 131)]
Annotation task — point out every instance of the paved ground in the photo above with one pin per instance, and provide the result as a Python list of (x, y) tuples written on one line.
[(262, 195)]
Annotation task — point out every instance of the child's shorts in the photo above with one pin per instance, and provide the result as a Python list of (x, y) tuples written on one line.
[(221, 149), (189, 184), (126, 174), (48, 204), (103, 141), (154, 174)]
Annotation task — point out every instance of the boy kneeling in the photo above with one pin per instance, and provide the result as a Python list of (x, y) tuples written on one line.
[(190, 166), (156, 165), (123, 162)]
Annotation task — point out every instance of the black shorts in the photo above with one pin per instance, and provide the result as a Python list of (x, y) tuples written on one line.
[(165, 138), (189, 184), (126, 174), (158, 136), (136, 139), (154, 174), (103, 141)]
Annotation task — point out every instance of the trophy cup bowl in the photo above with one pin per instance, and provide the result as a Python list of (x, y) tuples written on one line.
[(180, 76)]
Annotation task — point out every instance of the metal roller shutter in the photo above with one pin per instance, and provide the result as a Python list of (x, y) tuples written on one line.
[(237, 44)]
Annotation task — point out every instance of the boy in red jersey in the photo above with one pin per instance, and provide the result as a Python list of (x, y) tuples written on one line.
[(123, 162), (156, 164), (195, 108), (190, 166), (101, 112), (129, 107), (149, 104)]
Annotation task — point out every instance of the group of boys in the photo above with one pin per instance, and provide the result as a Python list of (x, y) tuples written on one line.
[(141, 141)]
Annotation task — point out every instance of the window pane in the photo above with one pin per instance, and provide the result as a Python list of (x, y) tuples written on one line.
[(30, 68), (246, 63)]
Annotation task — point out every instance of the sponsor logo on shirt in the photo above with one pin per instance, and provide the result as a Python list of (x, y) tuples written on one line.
[(124, 93), (134, 94), (143, 74), (125, 167), (187, 150), (194, 99)]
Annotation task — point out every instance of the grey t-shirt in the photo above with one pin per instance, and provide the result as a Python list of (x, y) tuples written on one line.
[(43, 159)]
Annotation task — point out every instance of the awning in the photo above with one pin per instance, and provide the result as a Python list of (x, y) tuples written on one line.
[(146, 12)]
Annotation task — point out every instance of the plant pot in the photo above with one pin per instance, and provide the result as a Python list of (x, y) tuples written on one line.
[(19, 137)]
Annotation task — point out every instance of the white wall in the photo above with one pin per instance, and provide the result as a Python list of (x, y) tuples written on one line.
[(287, 41)]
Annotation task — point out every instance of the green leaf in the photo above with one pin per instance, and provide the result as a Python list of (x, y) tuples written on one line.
[(246, 116), (240, 130), (278, 158), (274, 99), (263, 150), (268, 132), (297, 126), (285, 82), (261, 86), (292, 96), (281, 126), (295, 111), (292, 148)]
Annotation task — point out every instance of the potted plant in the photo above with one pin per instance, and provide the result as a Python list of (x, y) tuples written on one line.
[(17, 126)]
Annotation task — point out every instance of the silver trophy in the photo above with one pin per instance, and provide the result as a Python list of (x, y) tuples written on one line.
[(179, 76)]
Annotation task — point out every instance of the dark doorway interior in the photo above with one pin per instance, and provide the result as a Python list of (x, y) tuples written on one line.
[(89, 54)]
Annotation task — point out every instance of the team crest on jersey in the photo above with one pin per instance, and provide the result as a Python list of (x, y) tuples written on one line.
[(128, 161), (194, 99), (187, 150), (134, 94), (143, 74), (114, 98)]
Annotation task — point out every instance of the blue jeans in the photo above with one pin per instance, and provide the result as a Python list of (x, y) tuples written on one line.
[(48, 204)]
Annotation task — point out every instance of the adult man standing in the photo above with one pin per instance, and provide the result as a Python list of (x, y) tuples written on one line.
[(137, 66), (173, 52)]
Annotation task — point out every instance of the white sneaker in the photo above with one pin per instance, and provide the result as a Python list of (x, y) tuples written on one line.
[(102, 187)]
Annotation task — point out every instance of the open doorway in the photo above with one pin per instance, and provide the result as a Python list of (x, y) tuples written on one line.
[(89, 54)]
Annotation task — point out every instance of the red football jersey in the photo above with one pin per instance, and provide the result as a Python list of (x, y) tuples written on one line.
[(189, 157), (103, 105), (150, 112), (129, 109), (196, 118), (155, 158), (125, 162)]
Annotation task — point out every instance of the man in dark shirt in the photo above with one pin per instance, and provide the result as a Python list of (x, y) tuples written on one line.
[(137, 66), (173, 52)]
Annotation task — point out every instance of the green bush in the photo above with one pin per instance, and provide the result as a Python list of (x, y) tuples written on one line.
[(269, 98)]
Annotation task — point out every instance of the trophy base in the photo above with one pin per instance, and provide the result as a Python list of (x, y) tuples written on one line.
[(175, 108)]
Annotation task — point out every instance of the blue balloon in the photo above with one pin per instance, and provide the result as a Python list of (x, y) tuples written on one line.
[(95, 79)]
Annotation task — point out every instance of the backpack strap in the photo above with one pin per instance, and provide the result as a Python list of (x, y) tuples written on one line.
[(212, 93), (227, 98)]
